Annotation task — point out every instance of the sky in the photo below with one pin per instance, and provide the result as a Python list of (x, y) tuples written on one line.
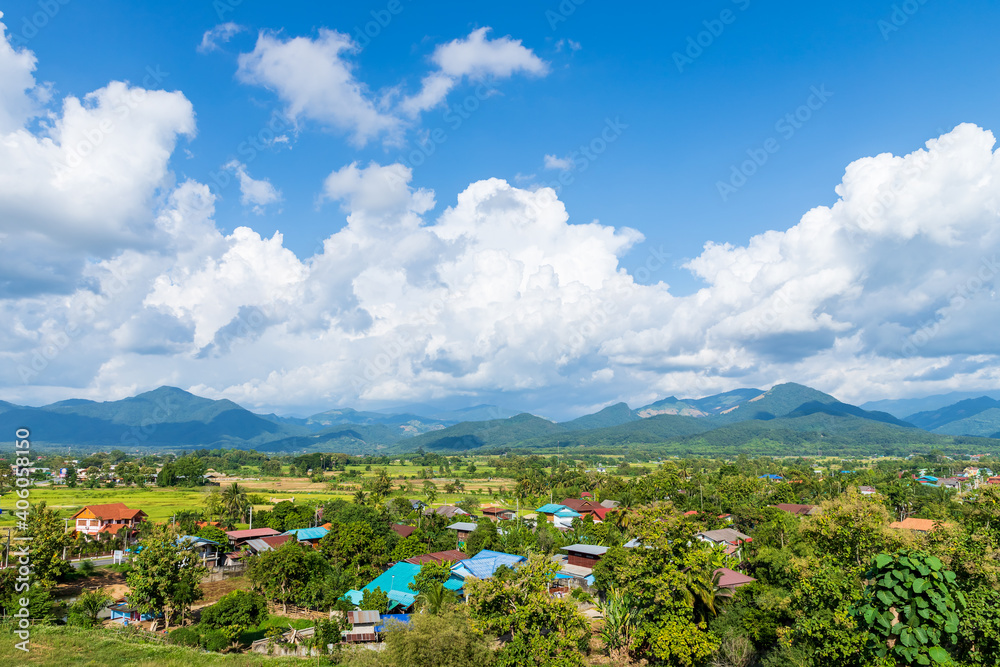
[(550, 206)]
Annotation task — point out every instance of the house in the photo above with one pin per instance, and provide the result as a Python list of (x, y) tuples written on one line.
[(584, 555), (259, 545), (239, 537), (951, 482), (207, 550), (798, 510), (866, 490), (549, 510), (308, 535), (583, 507), (728, 538), (772, 477), (927, 480), (124, 613), (732, 579), (993, 480), (401, 530), (919, 525), (395, 582), (610, 504), (451, 556), (483, 565), (363, 626), (560, 515), (587, 494), (498, 514), (447, 511), (110, 518), (462, 529), (416, 504), (600, 514)]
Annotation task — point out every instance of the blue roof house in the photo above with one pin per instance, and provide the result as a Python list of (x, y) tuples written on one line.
[(483, 565), (395, 582)]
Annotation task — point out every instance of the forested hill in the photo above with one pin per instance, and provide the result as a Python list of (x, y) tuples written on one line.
[(786, 419)]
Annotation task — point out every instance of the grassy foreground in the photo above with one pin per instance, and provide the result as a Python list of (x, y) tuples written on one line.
[(63, 645)]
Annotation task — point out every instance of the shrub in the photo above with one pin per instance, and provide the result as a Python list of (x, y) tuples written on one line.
[(235, 613), (87, 568), (214, 640), (185, 637)]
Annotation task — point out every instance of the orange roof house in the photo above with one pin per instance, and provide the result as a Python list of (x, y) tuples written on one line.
[(919, 525), (110, 518)]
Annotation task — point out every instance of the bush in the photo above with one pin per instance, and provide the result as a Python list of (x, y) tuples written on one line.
[(87, 568), (581, 595), (185, 637), (235, 613), (214, 640)]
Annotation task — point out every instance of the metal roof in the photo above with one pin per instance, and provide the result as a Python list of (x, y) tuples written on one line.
[(591, 549), (364, 616), (485, 563), (317, 533), (550, 508), (463, 526)]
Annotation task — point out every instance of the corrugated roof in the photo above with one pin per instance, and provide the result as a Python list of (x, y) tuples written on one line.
[(463, 526), (454, 555), (364, 616), (550, 508), (317, 533), (485, 563), (252, 532), (111, 511), (567, 513), (732, 579), (591, 549)]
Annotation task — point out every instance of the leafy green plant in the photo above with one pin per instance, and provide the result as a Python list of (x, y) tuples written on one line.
[(910, 608)]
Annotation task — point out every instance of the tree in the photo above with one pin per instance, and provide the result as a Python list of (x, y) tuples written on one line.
[(88, 606), (375, 600), (483, 537), (851, 529), (436, 598), (282, 574), (544, 631), (621, 618), (48, 541), (408, 547), (164, 576), (445, 640), (215, 534), (235, 613), (430, 491), (70, 477), (235, 503), (910, 608), (213, 505)]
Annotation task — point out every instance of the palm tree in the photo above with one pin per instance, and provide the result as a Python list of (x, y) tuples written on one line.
[(620, 620), (702, 589), (360, 497), (435, 599), (235, 502)]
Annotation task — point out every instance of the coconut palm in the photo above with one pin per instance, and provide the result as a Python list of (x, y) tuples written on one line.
[(235, 503), (435, 598)]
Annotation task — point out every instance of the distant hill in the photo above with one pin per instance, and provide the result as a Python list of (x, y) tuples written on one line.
[(906, 407), (613, 415), (962, 410), (724, 401), (495, 432), (671, 406)]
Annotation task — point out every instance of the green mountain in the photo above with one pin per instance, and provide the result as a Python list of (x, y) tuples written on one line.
[(671, 406), (724, 401), (963, 410), (495, 432), (613, 415), (983, 424), (796, 400)]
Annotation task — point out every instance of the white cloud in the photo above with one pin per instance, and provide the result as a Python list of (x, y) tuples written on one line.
[(255, 193), (315, 81), (554, 162), (220, 34), (573, 46), (477, 57), (114, 279), (17, 84)]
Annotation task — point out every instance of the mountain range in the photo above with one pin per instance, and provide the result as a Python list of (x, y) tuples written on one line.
[(786, 419)]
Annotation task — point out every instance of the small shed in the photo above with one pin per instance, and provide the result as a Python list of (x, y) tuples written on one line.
[(462, 529), (585, 555), (364, 624)]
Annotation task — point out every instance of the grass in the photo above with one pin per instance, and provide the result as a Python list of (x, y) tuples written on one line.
[(64, 645)]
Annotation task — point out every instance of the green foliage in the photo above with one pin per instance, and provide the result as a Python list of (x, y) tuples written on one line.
[(88, 606), (543, 631), (375, 600), (483, 537), (214, 640), (448, 640), (284, 574), (431, 575), (235, 613), (86, 568), (185, 637), (910, 608), (48, 540), (165, 577)]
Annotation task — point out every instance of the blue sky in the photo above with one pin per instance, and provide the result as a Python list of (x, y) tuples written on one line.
[(686, 96)]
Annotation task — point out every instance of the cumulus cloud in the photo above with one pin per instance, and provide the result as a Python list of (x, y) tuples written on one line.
[(555, 162), (254, 193), (477, 57), (220, 34), (115, 279), (17, 84), (316, 81)]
